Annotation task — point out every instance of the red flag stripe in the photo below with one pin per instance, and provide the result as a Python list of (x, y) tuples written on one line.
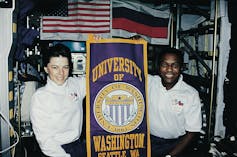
[(73, 25), (89, 9), (94, 15), (75, 31), (74, 20)]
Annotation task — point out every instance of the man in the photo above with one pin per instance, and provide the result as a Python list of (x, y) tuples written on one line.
[(174, 107)]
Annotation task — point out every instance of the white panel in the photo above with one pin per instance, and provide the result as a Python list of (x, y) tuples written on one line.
[(5, 46)]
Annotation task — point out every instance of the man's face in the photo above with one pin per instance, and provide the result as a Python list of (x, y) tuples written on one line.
[(58, 69), (170, 70)]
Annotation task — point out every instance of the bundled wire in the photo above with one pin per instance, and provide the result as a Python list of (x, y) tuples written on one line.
[(15, 134)]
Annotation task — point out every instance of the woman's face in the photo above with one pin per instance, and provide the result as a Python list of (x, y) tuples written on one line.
[(58, 69)]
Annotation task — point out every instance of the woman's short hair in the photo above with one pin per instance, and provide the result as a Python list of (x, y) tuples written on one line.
[(56, 51)]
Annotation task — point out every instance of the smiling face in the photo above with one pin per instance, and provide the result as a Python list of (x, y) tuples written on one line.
[(58, 69), (170, 70)]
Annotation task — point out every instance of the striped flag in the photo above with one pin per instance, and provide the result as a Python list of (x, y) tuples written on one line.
[(135, 18), (82, 18)]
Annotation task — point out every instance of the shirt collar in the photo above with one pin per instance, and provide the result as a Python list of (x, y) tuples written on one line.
[(176, 86), (51, 85)]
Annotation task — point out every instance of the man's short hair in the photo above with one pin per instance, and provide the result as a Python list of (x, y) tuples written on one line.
[(174, 51)]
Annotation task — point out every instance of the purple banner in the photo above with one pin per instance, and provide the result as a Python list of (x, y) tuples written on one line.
[(116, 103)]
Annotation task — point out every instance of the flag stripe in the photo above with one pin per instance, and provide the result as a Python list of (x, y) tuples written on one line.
[(90, 13), (132, 26), (89, 9), (73, 25), (76, 31), (94, 15), (65, 20)]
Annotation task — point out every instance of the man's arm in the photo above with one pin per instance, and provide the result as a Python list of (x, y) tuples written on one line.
[(183, 143)]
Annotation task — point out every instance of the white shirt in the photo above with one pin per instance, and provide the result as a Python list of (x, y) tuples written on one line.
[(57, 115), (174, 111)]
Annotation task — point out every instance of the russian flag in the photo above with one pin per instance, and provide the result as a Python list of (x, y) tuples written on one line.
[(132, 18)]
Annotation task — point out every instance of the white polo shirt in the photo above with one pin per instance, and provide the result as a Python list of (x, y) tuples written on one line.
[(175, 111)]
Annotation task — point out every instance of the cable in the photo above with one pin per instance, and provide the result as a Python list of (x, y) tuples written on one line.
[(25, 150), (15, 134)]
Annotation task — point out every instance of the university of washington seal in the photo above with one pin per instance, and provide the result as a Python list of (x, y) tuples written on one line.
[(119, 107)]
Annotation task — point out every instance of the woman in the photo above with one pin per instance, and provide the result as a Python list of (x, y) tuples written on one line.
[(56, 109)]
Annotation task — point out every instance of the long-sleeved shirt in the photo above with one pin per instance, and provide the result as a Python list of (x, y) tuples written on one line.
[(57, 114)]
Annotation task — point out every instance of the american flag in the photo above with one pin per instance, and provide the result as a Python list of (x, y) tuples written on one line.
[(83, 17)]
